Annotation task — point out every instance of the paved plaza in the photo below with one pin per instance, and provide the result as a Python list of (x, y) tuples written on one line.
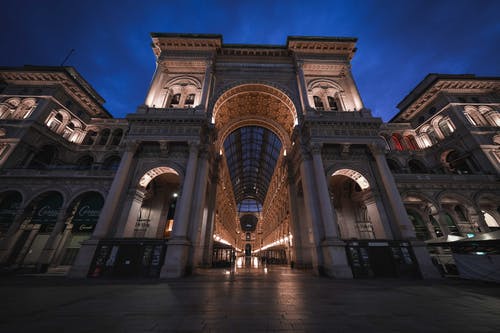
[(247, 301)]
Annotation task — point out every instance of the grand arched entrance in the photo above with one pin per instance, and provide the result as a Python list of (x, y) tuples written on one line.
[(254, 124)]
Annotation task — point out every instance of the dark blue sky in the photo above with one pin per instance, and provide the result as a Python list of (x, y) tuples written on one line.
[(399, 42)]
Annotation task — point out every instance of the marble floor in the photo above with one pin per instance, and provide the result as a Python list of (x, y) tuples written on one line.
[(248, 300)]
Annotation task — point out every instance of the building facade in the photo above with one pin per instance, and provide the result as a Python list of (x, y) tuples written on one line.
[(247, 152)]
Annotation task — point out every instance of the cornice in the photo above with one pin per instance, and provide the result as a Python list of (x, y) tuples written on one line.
[(474, 85), (164, 42), (90, 102)]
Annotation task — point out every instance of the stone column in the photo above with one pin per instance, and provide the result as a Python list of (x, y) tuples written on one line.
[(178, 245), (83, 260), (117, 188), (335, 258), (401, 225), (153, 98), (294, 220), (197, 210), (209, 228), (51, 244), (60, 247), (328, 217), (206, 84), (133, 203), (302, 85), (27, 245), (313, 217)]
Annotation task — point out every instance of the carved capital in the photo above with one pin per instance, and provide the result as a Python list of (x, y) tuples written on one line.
[(131, 146), (316, 148), (194, 146), (377, 148)]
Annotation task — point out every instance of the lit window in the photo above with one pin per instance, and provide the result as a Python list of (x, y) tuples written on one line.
[(332, 103), (318, 104), (189, 99), (176, 99)]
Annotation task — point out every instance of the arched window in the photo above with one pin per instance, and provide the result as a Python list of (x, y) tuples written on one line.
[(460, 211), (332, 103), (116, 137), (68, 131), (445, 127), (89, 138), (104, 137), (421, 231), (470, 119), (176, 99), (411, 142), (55, 122), (432, 135), (318, 103), (451, 225), (396, 139), (189, 100)]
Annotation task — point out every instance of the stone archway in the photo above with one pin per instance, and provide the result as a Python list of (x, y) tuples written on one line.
[(357, 210), (259, 119), (151, 213)]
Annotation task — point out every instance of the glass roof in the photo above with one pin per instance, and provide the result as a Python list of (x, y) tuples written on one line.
[(251, 154)]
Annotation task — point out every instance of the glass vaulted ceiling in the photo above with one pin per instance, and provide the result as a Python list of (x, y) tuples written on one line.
[(251, 155)]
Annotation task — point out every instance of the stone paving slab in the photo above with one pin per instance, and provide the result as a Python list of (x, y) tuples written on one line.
[(280, 301)]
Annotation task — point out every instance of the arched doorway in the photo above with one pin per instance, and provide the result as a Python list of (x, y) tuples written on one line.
[(152, 213), (357, 211)]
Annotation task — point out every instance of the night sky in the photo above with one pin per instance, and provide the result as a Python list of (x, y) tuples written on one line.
[(399, 42)]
